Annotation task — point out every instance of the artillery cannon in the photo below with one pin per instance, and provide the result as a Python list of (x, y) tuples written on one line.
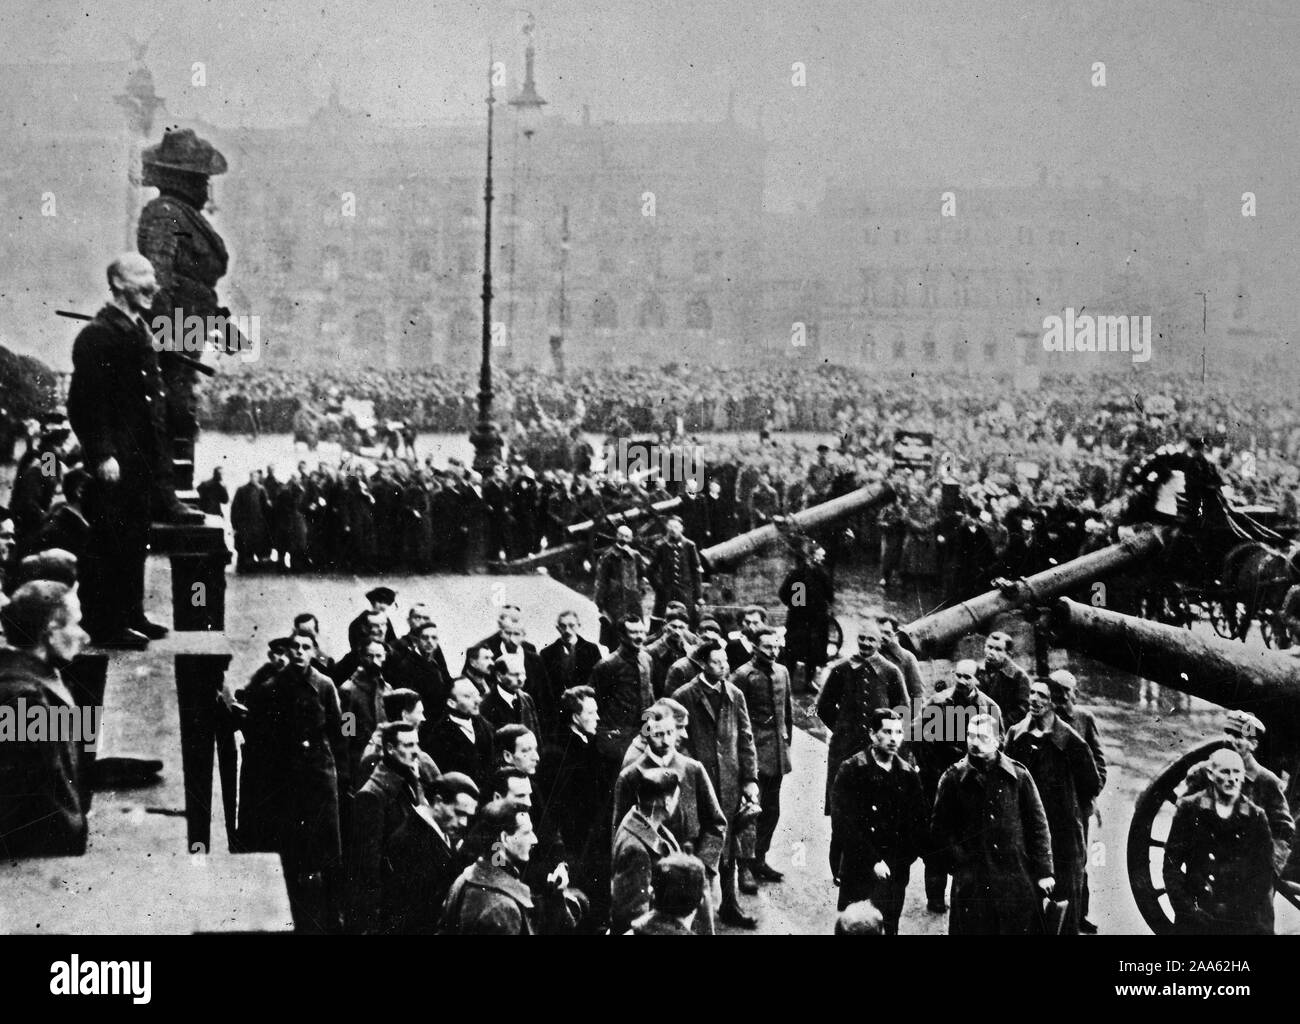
[(1264, 683), (864, 499), (933, 635)]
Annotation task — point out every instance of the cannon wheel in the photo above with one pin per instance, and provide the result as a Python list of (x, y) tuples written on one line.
[(1152, 815)]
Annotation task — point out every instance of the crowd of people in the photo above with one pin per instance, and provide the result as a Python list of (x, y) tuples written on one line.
[(554, 790), (1032, 474), (564, 789)]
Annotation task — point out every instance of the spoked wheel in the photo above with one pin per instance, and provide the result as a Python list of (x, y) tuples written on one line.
[(1153, 814)]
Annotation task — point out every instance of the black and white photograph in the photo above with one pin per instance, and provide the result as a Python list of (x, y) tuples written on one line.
[(610, 468)]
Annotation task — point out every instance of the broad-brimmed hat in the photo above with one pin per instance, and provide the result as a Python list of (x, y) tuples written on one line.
[(182, 150)]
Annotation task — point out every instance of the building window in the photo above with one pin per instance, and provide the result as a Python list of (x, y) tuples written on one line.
[(929, 294), (699, 315), (700, 263), (990, 350), (963, 290), (652, 313), (420, 260), (960, 350), (1025, 235), (604, 314), (898, 292), (900, 348), (928, 350), (900, 236), (869, 348), (607, 264)]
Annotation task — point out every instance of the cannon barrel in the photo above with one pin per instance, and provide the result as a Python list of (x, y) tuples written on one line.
[(933, 635), (1226, 672), (617, 518), (862, 500)]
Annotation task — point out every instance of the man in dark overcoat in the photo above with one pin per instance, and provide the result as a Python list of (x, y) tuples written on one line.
[(42, 794), (1067, 781), (720, 737), (766, 686), (853, 689), (1218, 866), (568, 663), (879, 821), (300, 724), (115, 406), (990, 827)]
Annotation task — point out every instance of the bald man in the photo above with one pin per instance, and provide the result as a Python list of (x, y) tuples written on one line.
[(1218, 866), (116, 405)]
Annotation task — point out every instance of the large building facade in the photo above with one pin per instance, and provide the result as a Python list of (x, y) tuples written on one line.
[(360, 244)]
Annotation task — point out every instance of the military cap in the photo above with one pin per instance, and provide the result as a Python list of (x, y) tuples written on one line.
[(1244, 723), (182, 150), (385, 595)]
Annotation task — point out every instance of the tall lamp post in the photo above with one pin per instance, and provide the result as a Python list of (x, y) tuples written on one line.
[(484, 436)]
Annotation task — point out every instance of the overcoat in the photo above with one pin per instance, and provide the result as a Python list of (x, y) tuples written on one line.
[(990, 830)]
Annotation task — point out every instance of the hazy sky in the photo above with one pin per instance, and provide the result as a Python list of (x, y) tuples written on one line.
[(899, 92)]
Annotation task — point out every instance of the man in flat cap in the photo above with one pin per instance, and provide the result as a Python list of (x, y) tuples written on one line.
[(188, 256), (1064, 687)]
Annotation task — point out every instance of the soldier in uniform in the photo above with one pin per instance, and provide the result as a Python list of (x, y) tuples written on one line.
[(188, 256)]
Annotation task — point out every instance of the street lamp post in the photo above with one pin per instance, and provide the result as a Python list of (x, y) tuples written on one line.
[(484, 436)]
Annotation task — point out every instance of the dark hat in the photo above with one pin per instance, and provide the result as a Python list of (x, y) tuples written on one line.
[(386, 595), (1244, 723), (182, 150), (280, 644), (823, 447)]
